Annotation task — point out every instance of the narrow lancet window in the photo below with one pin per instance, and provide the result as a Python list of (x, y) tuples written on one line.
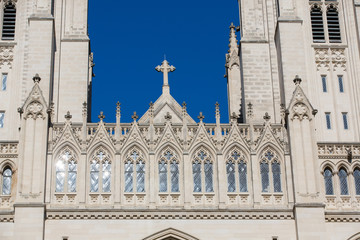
[(60, 176), (329, 189), (129, 176), (4, 78), (317, 24), (7, 181), (264, 169), (196, 167), (333, 24), (163, 176), (343, 182), (140, 176), (94, 176), (106, 176), (174, 171), (243, 176), (276, 171), (9, 20), (357, 180), (72, 175), (230, 169)]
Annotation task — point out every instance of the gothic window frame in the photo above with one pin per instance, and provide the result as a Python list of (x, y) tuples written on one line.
[(66, 158), (136, 159), (328, 179), (101, 165), (270, 158), (343, 180), (5, 4), (203, 159), (356, 179), (236, 157), (4, 175), (171, 158)]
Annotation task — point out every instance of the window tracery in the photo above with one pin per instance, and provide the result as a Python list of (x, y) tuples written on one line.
[(236, 168), (202, 167), (270, 158), (7, 175), (100, 172), (135, 162), (169, 169), (66, 169)]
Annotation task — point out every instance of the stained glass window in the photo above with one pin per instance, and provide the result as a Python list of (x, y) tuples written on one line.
[(276, 171), (163, 176), (94, 176), (230, 170), (357, 181), (196, 167), (264, 170), (7, 181), (140, 176), (72, 175), (129, 176), (60, 176), (343, 182), (243, 176), (174, 171), (106, 176), (329, 190)]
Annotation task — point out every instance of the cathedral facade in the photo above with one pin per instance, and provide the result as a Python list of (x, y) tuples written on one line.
[(286, 166)]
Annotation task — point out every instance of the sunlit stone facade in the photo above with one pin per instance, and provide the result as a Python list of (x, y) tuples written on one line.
[(286, 166)]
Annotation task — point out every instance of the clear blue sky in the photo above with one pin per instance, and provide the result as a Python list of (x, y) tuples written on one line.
[(129, 39)]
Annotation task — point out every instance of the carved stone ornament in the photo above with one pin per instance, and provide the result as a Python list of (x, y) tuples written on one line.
[(6, 55), (300, 111), (338, 58), (34, 110), (322, 58)]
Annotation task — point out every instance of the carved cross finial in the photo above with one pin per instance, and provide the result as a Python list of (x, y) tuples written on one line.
[(201, 117), (36, 78), (118, 108), (134, 116), (234, 117), (68, 116), (267, 117), (101, 116), (297, 80), (168, 116), (165, 68)]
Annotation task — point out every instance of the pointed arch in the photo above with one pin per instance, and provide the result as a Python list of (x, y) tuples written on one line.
[(100, 159), (170, 233), (135, 162), (328, 180), (66, 161), (203, 171), (7, 172), (236, 168), (327, 164), (271, 169), (355, 237), (168, 162)]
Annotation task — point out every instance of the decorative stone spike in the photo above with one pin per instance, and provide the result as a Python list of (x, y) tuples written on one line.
[(297, 80), (267, 117), (201, 117), (134, 116), (250, 113), (68, 116), (101, 116), (234, 117)]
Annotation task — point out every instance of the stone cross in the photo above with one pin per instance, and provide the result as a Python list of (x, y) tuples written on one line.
[(165, 68)]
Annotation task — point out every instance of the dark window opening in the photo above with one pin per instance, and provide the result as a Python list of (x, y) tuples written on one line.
[(333, 24), (317, 24), (8, 31)]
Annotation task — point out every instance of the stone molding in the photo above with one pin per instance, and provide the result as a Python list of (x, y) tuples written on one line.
[(342, 218)]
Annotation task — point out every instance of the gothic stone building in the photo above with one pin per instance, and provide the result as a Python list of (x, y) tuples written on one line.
[(286, 167)]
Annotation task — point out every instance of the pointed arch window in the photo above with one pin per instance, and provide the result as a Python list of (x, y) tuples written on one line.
[(333, 23), (270, 184), (329, 189), (236, 168), (135, 163), (66, 170), (202, 167), (100, 172), (168, 168), (357, 180), (317, 24), (7, 176), (9, 20), (344, 190)]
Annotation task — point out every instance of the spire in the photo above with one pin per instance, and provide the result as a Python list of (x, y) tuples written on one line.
[(165, 68), (233, 46)]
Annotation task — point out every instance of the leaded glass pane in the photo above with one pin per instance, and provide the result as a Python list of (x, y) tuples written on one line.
[(264, 169), (343, 182), (72, 172), (4, 82), (140, 176), (60, 176), (106, 176), (357, 181), (163, 176), (243, 176), (94, 176), (208, 168), (174, 170), (2, 117), (329, 190), (129, 178), (7, 177), (197, 176), (230, 170), (276, 171)]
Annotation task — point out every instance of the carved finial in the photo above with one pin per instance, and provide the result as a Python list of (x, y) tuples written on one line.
[(217, 110), (233, 43), (168, 116), (151, 104), (134, 116), (84, 109), (36, 78), (165, 68), (250, 112), (234, 117), (297, 80), (201, 117), (20, 110), (282, 113), (101, 116), (267, 117), (68, 116), (118, 108)]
